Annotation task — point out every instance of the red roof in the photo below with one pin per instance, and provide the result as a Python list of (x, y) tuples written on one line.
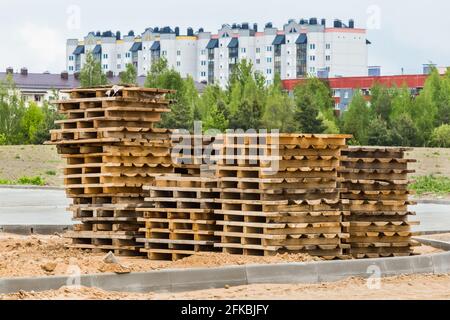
[(411, 81)]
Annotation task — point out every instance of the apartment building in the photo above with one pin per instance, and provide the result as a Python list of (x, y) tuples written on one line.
[(300, 48), (344, 88)]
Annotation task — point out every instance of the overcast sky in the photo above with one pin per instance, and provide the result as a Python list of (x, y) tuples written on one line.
[(404, 33)]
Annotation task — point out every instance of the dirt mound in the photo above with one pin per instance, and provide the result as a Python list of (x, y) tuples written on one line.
[(209, 259)]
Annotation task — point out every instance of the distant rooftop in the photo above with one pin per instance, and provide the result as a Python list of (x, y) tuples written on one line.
[(336, 23), (42, 82)]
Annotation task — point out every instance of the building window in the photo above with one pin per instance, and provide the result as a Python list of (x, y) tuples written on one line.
[(243, 50), (164, 53), (71, 58), (269, 49), (178, 53), (312, 46), (328, 46), (203, 74), (327, 58), (128, 55), (203, 63), (312, 58), (269, 59), (258, 61), (178, 63), (119, 56), (71, 68), (105, 66), (105, 56), (203, 52), (269, 71), (119, 66), (258, 50)]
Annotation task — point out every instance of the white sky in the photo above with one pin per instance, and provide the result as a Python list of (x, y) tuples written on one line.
[(410, 33)]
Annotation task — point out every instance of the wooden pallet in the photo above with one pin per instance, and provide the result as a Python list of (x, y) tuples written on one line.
[(376, 180)]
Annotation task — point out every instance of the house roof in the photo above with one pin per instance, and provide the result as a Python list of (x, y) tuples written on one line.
[(97, 49), (234, 43), (136, 47), (302, 39), (79, 50), (212, 44), (279, 40), (43, 82), (156, 46)]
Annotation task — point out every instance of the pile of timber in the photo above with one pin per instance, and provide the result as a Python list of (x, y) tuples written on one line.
[(294, 207), (112, 149), (376, 183), (181, 221), (179, 213)]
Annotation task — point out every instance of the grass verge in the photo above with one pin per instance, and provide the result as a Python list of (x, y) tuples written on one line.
[(431, 184), (33, 181)]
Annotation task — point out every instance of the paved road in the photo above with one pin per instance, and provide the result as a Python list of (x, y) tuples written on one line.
[(47, 207), (33, 207)]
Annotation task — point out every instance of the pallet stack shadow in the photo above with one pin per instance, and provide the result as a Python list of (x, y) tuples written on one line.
[(376, 180), (112, 148), (294, 207), (179, 214)]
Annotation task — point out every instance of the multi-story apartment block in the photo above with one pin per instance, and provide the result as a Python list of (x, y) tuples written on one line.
[(299, 49)]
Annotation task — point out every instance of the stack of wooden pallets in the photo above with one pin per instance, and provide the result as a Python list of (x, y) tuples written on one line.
[(112, 148), (294, 207), (182, 221), (376, 180), (179, 214)]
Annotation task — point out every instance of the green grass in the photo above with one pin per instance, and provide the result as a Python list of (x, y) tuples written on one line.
[(431, 184), (50, 173), (34, 181)]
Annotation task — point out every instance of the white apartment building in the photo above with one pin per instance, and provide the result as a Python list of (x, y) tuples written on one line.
[(299, 49)]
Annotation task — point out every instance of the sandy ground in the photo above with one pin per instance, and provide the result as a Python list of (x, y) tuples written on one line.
[(31, 161), (46, 255), (419, 287), (33, 256), (430, 161)]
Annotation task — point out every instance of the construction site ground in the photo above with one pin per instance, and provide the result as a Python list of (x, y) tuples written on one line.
[(421, 287), (37, 256)]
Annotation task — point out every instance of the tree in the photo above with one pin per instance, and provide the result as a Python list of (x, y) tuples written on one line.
[(378, 133), (91, 74), (356, 120), (50, 116), (441, 136), (307, 115), (404, 131), (279, 110), (318, 96), (381, 101), (32, 122), (246, 97), (181, 115), (129, 76), (12, 109)]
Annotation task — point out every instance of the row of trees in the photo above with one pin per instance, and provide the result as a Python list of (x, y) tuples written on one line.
[(22, 122), (395, 117), (392, 116)]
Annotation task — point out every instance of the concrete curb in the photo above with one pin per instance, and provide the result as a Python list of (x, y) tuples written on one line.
[(198, 279), (34, 229), (439, 202), (429, 233), (443, 245), (31, 187)]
